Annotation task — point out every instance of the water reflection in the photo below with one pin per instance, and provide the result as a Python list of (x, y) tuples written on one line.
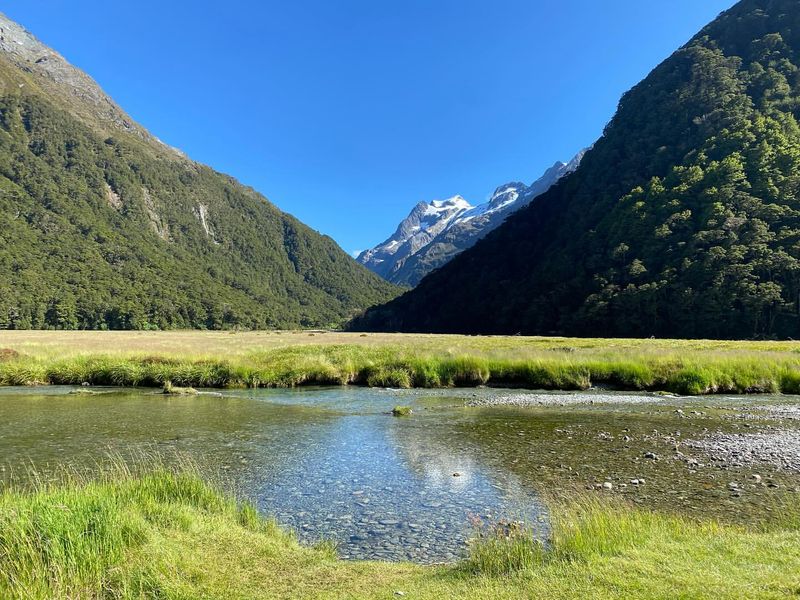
[(330, 463)]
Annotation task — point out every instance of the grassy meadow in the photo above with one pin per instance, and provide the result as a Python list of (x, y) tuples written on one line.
[(157, 532), (167, 534), (286, 359)]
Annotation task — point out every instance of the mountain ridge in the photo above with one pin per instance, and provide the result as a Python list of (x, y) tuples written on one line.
[(680, 222), (104, 226), (418, 247), (31, 55)]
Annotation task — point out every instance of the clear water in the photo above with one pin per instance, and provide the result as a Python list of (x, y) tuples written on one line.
[(329, 463), (334, 464)]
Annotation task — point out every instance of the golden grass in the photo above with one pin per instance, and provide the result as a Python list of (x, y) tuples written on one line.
[(228, 344), (270, 358)]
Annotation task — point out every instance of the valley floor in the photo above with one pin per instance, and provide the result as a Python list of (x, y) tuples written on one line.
[(159, 533), (285, 359), (167, 534)]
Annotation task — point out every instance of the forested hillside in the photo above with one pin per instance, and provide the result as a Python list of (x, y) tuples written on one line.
[(683, 220), (102, 226)]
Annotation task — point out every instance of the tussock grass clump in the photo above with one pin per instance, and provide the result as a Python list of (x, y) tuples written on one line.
[(503, 548), (463, 371), (7, 354), (587, 528), (174, 390), (790, 381), (614, 549), (541, 374), (90, 538), (627, 374), (388, 377), (23, 372)]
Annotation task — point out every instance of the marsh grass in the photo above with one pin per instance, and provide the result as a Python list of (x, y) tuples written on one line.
[(71, 538), (503, 547), (403, 368), (156, 532), (274, 359), (589, 533)]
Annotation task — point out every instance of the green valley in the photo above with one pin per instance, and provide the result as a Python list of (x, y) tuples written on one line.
[(590, 391)]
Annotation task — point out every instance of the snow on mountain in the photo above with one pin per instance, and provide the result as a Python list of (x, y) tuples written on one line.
[(434, 233), (416, 231)]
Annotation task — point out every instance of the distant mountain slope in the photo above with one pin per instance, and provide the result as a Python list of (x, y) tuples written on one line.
[(102, 225), (434, 233), (416, 231), (683, 220)]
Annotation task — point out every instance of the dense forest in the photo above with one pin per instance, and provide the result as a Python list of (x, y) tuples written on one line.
[(683, 220), (114, 230)]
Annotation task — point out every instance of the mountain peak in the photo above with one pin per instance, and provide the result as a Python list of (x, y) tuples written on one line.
[(682, 221), (67, 85), (15, 39), (434, 233), (512, 185), (456, 200)]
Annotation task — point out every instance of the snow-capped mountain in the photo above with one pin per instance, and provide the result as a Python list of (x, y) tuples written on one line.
[(434, 233), (415, 232)]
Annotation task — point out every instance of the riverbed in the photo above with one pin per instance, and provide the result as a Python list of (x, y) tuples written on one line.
[(333, 464)]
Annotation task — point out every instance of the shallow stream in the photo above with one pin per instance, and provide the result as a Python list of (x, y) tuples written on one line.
[(332, 463)]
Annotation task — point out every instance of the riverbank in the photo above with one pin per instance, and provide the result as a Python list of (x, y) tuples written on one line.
[(287, 359), (168, 534), (771, 438)]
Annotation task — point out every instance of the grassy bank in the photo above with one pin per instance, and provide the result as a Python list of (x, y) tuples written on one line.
[(169, 535), (276, 359)]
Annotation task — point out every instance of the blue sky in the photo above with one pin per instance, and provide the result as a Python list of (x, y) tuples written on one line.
[(346, 113)]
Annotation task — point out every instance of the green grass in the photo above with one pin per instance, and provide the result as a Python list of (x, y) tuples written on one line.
[(169, 535), (284, 359)]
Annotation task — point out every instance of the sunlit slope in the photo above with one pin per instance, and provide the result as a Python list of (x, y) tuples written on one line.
[(103, 226), (682, 221)]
